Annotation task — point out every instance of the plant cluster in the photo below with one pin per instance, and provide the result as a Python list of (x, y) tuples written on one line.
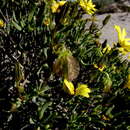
[(54, 72)]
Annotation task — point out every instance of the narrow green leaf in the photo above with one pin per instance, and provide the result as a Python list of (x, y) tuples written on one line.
[(16, 26), (14, 17), (43, 109), (31, 14), (106, 20), (22, 23), (109, 111)]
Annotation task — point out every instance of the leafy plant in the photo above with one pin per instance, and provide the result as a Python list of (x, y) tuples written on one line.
[(46, 45)]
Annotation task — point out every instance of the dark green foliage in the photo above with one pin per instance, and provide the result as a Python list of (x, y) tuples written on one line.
[(31, 95)]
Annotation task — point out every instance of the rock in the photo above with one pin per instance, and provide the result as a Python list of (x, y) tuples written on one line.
[(117, 7)]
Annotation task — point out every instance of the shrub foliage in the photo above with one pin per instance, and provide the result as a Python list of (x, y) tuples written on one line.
[(40, 46)]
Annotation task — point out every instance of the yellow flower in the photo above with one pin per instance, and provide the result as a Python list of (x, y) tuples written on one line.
[(123, 42), (100, 68), (55, 6), (2, 24), (122, 50), (13, 107), (107, 49), (46, 22), (88, 6), (129, 56), (68, 87), (82, 90), (127, 85), (105, 118)]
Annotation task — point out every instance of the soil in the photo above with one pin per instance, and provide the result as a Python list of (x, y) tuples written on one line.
[(108, 32)]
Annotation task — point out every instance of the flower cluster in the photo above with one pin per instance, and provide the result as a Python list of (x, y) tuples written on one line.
[(81, 90), (56, 67), (88, 6)]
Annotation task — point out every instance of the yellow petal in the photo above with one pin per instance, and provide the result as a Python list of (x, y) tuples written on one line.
[(128, 39), (61, 3), (88, 6), (122, 50), (56, 4), (46, 21), (54, 7), (128, 56), (126, 48), (127, 85), (100, 67), (124, 42), (95, 66), (83, 90), (107, 49), (118, 29), (124, 33), (2, 24), (128, 77), (68, 87)]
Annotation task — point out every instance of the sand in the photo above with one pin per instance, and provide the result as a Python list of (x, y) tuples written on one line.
[(108, 32)]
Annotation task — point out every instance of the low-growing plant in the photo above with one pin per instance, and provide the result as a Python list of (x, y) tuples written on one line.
[(55, 74)]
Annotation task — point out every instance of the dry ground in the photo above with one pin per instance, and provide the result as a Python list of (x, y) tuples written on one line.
[(108, 32)]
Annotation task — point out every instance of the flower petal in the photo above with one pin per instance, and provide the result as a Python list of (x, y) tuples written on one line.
[(83, 90), (124, 33), (56, 4), (118, 29), (124, 42), (128, 40), (61, 3), (88, 6), (68, 87)]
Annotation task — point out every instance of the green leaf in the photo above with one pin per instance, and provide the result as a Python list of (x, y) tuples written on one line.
[(31, 121), (106, 20), (31, 14), (16, 26), (43, 109), (107, 82), (22, 22), (14, 17), (128, 127), (109, 111), (42, 90)]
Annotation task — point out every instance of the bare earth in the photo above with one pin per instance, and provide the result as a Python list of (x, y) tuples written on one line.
[(108, 32)]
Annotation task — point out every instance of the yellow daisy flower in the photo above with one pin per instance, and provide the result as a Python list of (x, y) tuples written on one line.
[(2, 24), (123, 42), (88, 6), (55, 6), (82, 90)]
